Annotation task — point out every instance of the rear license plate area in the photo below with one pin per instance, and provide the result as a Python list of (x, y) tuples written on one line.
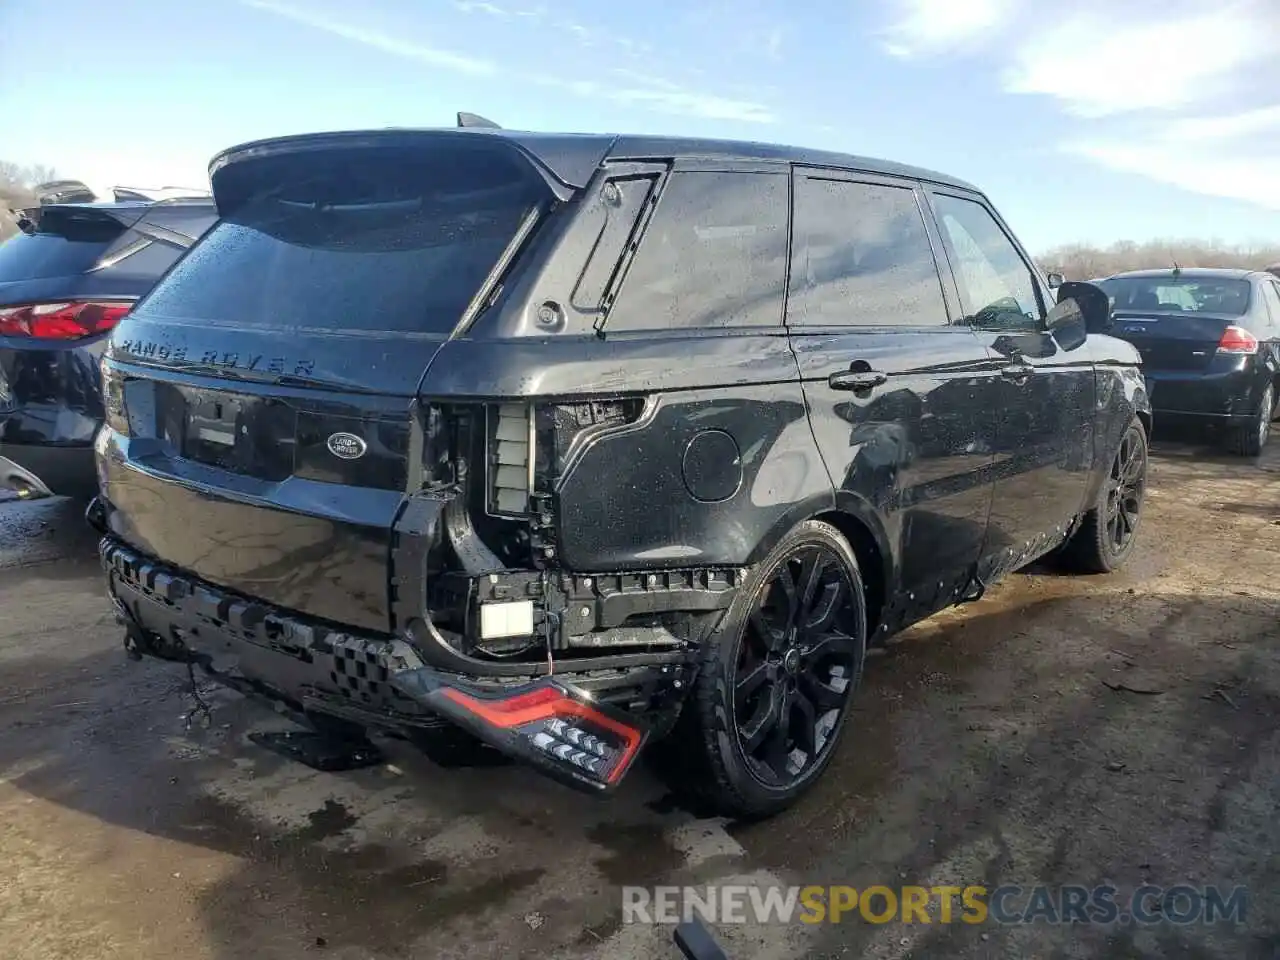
[(212, 428), (253, 436)]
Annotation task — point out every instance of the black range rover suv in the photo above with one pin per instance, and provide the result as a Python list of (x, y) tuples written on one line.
[(570, 442)]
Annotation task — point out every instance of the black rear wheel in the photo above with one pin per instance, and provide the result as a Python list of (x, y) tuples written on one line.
[(1249, 438), (772, 694)]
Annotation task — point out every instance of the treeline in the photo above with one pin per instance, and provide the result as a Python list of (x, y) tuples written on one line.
[(1079, 261), (16, 182)]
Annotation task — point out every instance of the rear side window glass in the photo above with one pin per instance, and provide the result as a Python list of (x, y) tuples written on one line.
[(861, 257), (622, 201), (371, 239), (996, 285), (1271, 295), (67, 251), (713, 255)]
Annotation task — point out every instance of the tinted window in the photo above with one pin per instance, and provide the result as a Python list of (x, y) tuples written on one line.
[(1271, 293), (861, 255), (996, 286), (66, 252), (714, 255), (622, 201), (392, 240), (1180, 294)]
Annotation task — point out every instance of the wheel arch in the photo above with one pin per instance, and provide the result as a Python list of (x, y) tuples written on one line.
[(859, 523), (1147, 421)]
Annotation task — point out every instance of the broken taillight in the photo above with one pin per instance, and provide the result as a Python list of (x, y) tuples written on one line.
[(1237, 340), (61, 321), (555, 726), (564, 727), (116, 415), (564, 428)]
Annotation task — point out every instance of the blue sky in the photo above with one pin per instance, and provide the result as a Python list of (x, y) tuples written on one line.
[(1080, 123)]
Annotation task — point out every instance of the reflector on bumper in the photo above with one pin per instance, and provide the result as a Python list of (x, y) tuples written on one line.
[(552, 725)]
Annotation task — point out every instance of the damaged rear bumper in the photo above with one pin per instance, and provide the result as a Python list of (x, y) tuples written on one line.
[(567, 724)]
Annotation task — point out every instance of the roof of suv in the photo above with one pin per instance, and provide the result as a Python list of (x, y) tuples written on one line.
[(574, 157)]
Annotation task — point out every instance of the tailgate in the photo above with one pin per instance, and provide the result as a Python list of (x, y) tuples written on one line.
[(260, 397), (287, 494)]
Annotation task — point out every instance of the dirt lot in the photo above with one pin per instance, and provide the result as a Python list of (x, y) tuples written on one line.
[(987, 747)]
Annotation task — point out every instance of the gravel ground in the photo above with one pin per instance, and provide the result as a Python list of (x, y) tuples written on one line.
[(998, 743)]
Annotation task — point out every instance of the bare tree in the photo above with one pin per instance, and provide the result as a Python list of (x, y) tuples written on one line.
[(16, 183), (1080, 261)]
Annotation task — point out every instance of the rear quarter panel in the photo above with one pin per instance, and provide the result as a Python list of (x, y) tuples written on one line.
[(723, 456)]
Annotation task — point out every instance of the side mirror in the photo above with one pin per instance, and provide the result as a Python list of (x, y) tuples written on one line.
[(1080, 302), (1056, 280)]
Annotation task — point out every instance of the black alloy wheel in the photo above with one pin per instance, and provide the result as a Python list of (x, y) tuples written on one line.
[(794, 665), (776, 678), (1126, 486)]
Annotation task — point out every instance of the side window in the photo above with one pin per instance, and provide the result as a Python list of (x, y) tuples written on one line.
[(622, 200), (713, 255), (997, 289), (1271, 294), (860, 256)]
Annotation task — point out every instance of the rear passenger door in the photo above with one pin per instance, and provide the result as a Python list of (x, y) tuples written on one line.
[(1045, 395), (899, 398), (690, 318)]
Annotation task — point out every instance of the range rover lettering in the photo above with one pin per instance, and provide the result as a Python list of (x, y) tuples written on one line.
[(573, 444)]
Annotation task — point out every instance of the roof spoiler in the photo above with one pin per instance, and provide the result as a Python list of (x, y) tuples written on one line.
[(475, 120)]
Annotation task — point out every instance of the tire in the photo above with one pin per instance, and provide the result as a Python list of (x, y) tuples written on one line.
[(801, 663), (1096, 547), (1249, 439)]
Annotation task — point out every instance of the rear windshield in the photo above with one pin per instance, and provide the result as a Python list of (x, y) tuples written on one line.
[(1186, 295), (66, 253), (354, 240)]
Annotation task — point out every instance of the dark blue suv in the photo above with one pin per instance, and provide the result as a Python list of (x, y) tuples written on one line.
[(66, 279)]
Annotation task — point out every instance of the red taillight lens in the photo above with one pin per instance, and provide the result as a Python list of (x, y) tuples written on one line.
[(567, 730), (1237, 340), (60, 321)]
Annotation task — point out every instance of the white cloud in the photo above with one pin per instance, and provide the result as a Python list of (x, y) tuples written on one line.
[(410, 50), (1249, 176), (1166, 89), (649, 92), (1096, 63), (662, 96), (480, 6), (925, 27), (1168, 93), (1226, 126)]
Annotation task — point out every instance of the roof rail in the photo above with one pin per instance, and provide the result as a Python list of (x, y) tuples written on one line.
[(475, 120)]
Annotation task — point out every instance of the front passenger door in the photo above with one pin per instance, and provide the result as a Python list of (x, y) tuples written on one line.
[(1044, 411)]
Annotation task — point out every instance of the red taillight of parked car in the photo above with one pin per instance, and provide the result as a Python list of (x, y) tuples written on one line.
[(60, 321), (1237, 340)]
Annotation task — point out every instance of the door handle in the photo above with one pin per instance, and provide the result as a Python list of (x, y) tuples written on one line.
[(857, 380), (1017, 371)]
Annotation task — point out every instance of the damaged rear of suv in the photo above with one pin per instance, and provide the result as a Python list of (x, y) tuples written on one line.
[(434, 432)]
